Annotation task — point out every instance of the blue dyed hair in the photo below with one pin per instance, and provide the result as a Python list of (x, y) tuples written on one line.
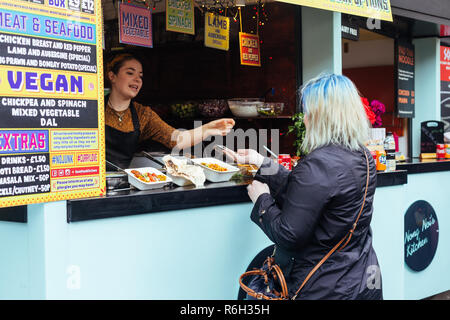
[(334, 112)]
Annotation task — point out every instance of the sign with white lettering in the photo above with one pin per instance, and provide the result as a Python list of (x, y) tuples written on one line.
[(421, 235), (445, 86), (180, 16), (217, 31), (249, 49), (405, 74), (51, 101), (135, 25)]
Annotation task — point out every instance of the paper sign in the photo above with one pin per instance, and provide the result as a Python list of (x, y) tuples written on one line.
[(51, 97), (378, 9), (217, 31), (180, 16), (249, 48), (135, 25)]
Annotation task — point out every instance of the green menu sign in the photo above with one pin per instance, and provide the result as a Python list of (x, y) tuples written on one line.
[(180, 16)]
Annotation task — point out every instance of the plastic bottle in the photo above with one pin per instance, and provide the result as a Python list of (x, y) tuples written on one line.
[(389, 147)]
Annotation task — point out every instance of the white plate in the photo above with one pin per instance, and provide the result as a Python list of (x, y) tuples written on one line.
[(214, 175), (141, 185)]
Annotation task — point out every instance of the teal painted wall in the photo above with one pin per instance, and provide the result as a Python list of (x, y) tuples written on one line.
[(321, 42), (427, 87)]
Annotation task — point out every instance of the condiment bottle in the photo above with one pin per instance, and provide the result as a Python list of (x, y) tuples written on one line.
[(389, 147)]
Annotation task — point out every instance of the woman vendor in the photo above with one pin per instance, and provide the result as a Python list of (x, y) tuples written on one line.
[(127, 123)]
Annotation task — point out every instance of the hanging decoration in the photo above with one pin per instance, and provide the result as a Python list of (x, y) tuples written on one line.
[(135, 25), (249, 46), (217, 31), (180, 16)]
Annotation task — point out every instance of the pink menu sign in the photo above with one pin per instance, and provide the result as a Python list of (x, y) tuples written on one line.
[(135, 25)]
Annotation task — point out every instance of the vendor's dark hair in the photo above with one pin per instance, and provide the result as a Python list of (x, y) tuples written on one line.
[(119, 60)]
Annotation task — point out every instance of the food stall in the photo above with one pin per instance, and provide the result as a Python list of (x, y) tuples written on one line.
[(187, 242)]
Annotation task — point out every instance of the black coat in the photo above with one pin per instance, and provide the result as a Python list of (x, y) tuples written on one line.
[(309, 210)]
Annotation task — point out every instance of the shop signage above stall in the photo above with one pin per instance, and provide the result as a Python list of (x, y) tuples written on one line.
[(51, 97), (249, 49), (421, 235), (135, 25), (349, 30), (445, 86), (379, 9), (405, 73), (180, 16), (217, 31)]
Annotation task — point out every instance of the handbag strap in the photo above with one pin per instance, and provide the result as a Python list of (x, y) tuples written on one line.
[(347, 237), (271, 266)]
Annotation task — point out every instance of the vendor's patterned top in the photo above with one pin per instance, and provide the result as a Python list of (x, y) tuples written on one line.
[(152, 126)]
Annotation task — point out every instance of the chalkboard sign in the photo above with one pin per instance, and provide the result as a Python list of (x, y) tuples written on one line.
[(405, 66), (421, 235), (431, 133)]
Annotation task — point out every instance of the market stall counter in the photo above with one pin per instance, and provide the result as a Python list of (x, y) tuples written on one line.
[(172, 243)]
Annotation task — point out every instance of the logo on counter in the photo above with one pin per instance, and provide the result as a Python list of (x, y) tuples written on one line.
[(421, 235)]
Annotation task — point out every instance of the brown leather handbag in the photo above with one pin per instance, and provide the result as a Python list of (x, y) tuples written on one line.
[(268, 282)]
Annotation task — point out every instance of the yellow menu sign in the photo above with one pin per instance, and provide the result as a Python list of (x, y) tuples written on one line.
[(217, 31), (378, 9), (51, 97)]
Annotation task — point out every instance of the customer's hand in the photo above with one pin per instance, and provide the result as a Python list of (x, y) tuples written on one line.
[(220, 127), (256, 189), (245, 156)]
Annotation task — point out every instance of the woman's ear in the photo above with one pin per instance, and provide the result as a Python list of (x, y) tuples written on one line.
[(111, 76)]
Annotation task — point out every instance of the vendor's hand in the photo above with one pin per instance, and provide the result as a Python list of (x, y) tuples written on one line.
[(220, 127), (256, 189)]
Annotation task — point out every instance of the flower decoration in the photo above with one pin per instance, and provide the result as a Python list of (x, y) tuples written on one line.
[(378, 109), (370, 115)]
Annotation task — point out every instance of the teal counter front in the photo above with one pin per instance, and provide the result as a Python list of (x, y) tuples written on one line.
[(166, 247)]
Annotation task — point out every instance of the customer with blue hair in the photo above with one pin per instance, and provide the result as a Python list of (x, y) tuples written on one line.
[(308, 212)]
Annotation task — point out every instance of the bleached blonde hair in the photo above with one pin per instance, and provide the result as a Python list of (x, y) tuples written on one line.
[(335, 113)]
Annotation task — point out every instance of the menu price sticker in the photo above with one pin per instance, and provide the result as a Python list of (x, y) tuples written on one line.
[(51, 83), (249, 49)]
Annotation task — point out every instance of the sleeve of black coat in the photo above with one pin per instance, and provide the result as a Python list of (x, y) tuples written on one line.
[(275, 176), (307, 193)]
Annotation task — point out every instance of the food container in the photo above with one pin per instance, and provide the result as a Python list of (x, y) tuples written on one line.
[(141, 185), (245, 107), (214, 175), (213, 108), (116, 180), (285, 161), (180, 181), (248, 169), (270, 109), (184, 110)]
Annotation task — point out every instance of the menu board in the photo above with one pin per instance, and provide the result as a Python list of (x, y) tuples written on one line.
[(135, 25), (445, 86), (249, 49), (217, 31), (405, 73), (180, 16), (51, 101)]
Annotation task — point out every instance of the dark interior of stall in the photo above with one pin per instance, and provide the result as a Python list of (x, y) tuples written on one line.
[(179, 68)]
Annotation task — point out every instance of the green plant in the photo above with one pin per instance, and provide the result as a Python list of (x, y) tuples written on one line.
[(299, 129)]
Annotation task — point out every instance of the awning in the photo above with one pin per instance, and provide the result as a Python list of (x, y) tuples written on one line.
[(376, 9)]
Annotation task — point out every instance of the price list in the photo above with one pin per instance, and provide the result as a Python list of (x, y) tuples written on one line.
[(51, 90)]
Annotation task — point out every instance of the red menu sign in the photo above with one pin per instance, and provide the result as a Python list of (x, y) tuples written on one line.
[(445, 87), (249, 48), (135, 25)]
